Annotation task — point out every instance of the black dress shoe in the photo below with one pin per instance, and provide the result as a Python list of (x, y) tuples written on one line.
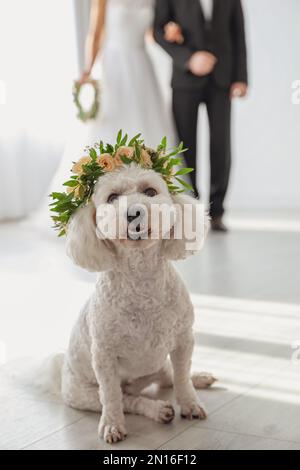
[(217, 225)]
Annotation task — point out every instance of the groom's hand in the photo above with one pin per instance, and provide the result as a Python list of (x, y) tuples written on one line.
[(202, 63), (238, 90), (173, 33)]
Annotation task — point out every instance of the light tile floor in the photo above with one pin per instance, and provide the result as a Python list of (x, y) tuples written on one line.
[(246, 292)]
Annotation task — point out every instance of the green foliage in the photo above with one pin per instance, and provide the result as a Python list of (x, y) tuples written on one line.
[(80, 186), (85, 115)]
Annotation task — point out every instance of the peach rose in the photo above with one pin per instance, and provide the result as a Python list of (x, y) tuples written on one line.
[(146, 159), (117, 160), (106, 161), (125, 151), (77, 167)]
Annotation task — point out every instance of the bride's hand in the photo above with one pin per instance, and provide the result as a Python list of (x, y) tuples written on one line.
[(84, 77), (173, 33)]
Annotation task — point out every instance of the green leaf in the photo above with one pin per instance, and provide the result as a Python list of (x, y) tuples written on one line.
[(68, 198), (184, 171), (177, 150), (181, 148), (164, 143), (64, 205), (159, 163), (162, 171), (124, 140), (119, 137), (61, 218), (133, 140), (58, 196), (174, 161), (101, 147), (137, 151), (93, 153), (174, 153), (184, 183), (125, 160), (71, 183), (109, 149)]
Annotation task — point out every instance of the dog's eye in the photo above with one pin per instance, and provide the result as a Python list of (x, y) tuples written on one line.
[(112, 197), (151, 192)]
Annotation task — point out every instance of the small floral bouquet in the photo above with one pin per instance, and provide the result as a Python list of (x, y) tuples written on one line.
[(83, 114), (102, 158)]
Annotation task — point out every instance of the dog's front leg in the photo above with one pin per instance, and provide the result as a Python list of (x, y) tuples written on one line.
[(186, 395), (112, 422)]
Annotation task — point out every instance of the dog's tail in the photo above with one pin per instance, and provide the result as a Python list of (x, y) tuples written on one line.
[(48, 374), (43, 376)]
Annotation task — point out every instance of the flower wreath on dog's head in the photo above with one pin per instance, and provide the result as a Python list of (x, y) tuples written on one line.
[(101, 159)]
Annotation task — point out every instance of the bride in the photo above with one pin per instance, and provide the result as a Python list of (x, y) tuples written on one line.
[(130, 98)]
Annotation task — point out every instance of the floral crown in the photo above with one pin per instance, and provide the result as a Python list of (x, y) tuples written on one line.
[(101, 159)]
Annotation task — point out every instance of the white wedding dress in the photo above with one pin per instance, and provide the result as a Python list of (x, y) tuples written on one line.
[(130, 97)]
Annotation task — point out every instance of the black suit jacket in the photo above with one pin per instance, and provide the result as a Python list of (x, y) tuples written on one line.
[(226, 40)]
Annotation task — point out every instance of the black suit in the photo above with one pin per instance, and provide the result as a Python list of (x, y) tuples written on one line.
[(224, 36)]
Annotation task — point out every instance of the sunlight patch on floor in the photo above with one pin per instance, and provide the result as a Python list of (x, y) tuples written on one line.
[(271, 224)]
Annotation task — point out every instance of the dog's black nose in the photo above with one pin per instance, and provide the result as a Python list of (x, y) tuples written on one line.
[(130, 218)]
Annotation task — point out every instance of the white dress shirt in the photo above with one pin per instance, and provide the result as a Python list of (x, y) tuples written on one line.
[(207, 8)]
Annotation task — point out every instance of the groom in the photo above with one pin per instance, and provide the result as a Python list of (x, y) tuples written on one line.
[(206, 41)]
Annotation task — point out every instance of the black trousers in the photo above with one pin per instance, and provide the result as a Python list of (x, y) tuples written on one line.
[(185, 108)]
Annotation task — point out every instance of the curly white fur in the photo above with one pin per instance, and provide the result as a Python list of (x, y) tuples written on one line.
[(136, 328)]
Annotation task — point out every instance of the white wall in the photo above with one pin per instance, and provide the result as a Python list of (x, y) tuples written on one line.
[(37, 66), (266, 138)]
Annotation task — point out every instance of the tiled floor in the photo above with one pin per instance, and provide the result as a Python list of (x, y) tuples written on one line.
[(247, 300)]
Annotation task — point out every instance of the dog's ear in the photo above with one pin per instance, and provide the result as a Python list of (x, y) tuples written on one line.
[(83, 245), (190, 228)]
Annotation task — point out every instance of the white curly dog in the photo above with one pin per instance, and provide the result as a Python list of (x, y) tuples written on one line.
[(136, 329)]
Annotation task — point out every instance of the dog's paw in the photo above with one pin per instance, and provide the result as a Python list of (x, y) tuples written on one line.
[(164, 412), (112, 433), (203, 380), (193, 410)]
